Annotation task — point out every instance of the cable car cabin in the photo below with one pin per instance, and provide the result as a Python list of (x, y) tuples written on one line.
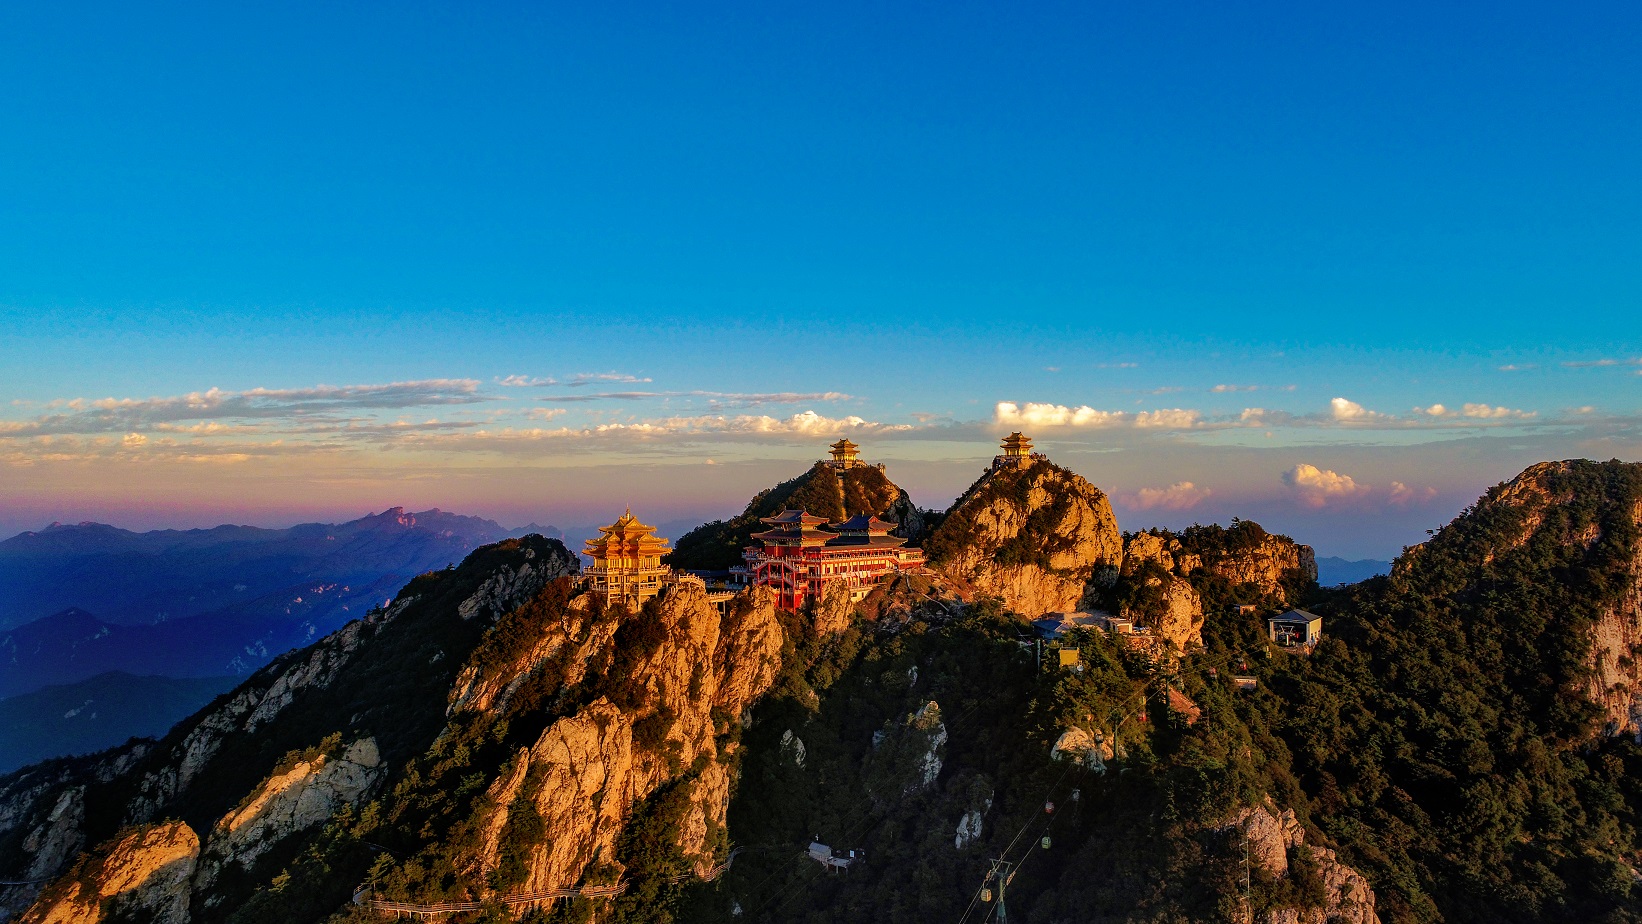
[(1296, 629)]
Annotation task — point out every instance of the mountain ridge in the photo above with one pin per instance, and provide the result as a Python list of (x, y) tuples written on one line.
[(1455, 748)]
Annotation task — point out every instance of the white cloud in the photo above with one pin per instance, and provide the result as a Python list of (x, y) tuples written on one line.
[(1034, 415), (1317, 486), (1518, 367), (1182, 495), (1350, 411), (807, 423), (546, 413), (1172, 418), (526, 381), (1402, 495), (116, 415), (594, 378), (1485, 412), (1227, 388), (727, 398)]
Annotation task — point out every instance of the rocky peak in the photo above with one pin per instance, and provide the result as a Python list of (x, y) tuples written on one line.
[(824, 491), (1036, 536)]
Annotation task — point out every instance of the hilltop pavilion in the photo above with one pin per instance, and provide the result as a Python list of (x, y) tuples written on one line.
[(845, 455), (1017, 452), (627, 566)]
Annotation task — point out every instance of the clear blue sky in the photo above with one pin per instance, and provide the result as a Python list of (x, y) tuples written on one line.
[(929, 209)]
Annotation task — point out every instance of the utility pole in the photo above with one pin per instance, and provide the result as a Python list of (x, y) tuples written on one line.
[(1002, 871), (1248, 911)]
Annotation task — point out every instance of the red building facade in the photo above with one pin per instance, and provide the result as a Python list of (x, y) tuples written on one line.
[(800, 555)]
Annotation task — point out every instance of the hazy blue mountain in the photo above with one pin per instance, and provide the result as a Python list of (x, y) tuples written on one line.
[(139, 578), (1332, 571), (97, 713), (76, 601)]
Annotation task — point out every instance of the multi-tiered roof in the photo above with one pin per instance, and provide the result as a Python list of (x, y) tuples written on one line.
[(627, 564), (1016, 446), (627, 541), (845, 454)]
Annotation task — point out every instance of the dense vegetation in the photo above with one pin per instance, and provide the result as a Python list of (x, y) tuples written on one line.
[(823, 491)]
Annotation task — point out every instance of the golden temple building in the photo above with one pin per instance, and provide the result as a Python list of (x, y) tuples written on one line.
[(845, 454), (1017, 452), (627, 566)]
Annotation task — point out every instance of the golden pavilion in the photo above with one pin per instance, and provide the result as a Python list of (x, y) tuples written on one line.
[(627, 566), (845, 454), (1017, 452)]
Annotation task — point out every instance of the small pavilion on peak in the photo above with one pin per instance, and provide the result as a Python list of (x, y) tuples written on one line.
[(1017, 452), (627, 564), (845, 454)]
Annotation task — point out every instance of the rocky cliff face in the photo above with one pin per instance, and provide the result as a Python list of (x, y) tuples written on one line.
[(389, 673), (585, 773), (1036, 537), (1242, 555), (1272, 836), (142, 874), (294, 799)]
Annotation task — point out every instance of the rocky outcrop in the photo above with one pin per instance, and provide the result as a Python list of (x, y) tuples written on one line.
[(1265, 565), (1271, 834), (509, 587), (1037, 537), (1244, 554), (835, 609), (48, 801), (304, 794), (144, 873), (907, 755), (586, 772), (1180, 619)]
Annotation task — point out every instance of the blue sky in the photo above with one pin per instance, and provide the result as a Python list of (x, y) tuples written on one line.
[(898, 221)]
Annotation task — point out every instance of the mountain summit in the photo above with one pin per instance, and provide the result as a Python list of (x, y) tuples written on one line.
[(833, 490)]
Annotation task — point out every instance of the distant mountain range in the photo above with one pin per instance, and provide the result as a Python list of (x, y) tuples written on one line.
[(1332, 571), (76, 601), (97, 713)]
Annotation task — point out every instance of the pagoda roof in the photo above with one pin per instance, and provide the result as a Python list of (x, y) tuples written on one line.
[(844, 444), (793, 535), (863, 522), (1017, 439), (879, 541), (626, 534), (793, 518)]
